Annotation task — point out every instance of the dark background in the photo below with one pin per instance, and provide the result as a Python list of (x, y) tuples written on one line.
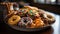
[(55, 8)]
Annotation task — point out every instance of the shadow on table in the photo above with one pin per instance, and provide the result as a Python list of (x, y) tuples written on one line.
[(48, 30)]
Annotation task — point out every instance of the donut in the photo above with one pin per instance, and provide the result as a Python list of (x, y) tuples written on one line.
[(23, 11), (14, 20), (32, 10), (34, 13), (25, 21), (49, 18), (38, 22)]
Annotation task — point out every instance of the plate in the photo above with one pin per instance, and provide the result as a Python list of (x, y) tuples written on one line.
[(25, 29)]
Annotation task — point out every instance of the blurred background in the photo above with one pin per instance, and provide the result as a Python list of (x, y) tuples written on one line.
[(51, 5)]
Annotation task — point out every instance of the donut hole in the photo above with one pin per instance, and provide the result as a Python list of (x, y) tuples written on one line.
[(49, 16), (25, 21), (14, 19)]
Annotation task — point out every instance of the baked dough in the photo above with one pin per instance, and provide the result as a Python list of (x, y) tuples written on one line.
[(14, 20)]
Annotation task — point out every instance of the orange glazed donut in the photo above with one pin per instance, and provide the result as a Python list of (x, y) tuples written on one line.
[(37, 23), (14, 19)]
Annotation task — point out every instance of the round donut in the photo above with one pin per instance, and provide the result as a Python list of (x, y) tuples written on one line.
[(38, 22), (34, 13), (22, 12), (14, 19), (49, 17), (32, 10), (25, 21)]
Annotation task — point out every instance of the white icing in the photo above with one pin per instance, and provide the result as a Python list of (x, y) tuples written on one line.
[(11, 8)]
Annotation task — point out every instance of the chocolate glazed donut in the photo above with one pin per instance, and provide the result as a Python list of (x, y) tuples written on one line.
[(25, 21)]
